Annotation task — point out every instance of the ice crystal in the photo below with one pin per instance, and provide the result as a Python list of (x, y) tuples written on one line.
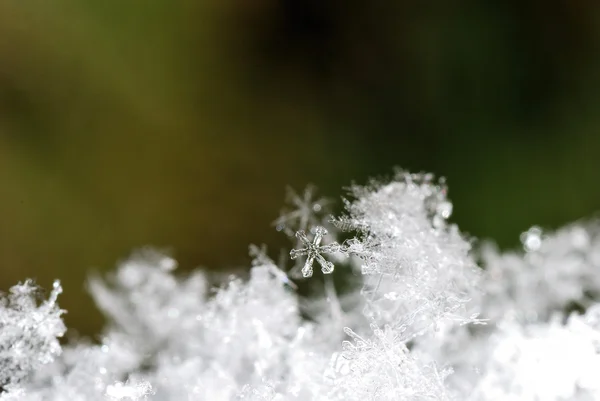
[(260, 258), (305, 211), (262, 393), (313, 251), (562, 270), (28, 332), (381, 367), (130, 391), (408, 331), (418, 270), (144, 300)]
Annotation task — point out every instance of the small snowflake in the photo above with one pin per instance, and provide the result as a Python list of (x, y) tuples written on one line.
[(304, 213), (313, 251)]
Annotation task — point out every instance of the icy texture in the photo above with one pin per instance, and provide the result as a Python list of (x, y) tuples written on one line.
[(28, 332), (545, 361), (144, 300), (406, 328), (417, 268), (562, 270), (306, 215), (260, 258), (129, 391), (313, 251), (382, 368)]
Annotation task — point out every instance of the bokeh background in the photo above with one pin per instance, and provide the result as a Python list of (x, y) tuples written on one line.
[(179, 124)]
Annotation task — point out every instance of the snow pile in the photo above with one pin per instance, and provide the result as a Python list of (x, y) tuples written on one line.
[(421, 321)]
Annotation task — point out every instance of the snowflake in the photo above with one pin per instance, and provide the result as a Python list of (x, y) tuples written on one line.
[(304, 214), (314, 250)]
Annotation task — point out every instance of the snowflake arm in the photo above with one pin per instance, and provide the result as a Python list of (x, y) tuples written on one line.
[(313, 251), (260, 258)]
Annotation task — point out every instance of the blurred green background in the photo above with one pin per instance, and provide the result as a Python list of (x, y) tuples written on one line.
[(178, 124)]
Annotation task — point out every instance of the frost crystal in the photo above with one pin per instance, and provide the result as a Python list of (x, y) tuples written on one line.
[(260, 258), (313, 251), (562, 270), (418, 270), (304, 213), (406, 327), (382, 368), (262, 393), (28, 332), (143, 299), (130, 391)]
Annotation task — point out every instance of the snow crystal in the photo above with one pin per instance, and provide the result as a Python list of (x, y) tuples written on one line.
[(410, 326)]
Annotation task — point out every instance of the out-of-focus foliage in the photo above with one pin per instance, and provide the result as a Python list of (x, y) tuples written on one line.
[(178, 123)]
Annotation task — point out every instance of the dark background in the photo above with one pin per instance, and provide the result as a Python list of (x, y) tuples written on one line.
[(178, 124)]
